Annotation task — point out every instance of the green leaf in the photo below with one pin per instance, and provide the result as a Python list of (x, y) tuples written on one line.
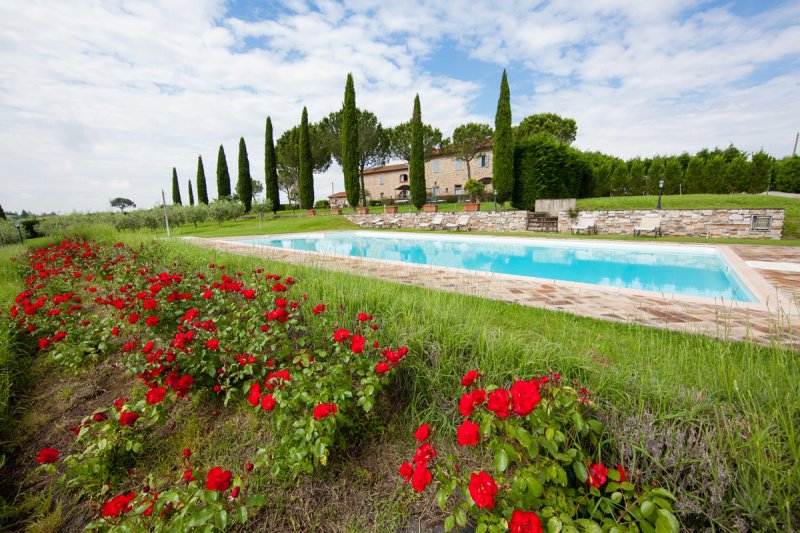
[(441, 499), (461, 517), (256, 500), (647, 508), (663, 492), (523, 437), (501, 460), (449, 523), (241, 514), (666, 522), (221, 519), (554, 525), (481, 528), (549, 433), (616, 497), (589, 526), (580, 471), (201, 518)]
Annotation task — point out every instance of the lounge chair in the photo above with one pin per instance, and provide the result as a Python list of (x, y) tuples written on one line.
[(585, 222), (462, 222), (436, 222), (370, 222), (647, 224), (387, 223)]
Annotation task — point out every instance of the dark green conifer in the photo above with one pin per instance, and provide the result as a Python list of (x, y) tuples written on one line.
[(176, 190), (244, 187), (416, 166), (223, 177), (305, 183), (202, 191)]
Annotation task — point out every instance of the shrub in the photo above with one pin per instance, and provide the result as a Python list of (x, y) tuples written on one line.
[(322, 204), (546, 168)]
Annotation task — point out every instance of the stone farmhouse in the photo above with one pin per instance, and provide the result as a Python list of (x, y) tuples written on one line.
[(445, 176)]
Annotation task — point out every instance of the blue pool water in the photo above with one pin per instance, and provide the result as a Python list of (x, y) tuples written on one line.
[(688, 270)]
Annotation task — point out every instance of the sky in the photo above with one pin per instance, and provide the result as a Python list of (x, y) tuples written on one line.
[(101, 99)]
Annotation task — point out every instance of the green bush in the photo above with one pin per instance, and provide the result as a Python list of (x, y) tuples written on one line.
[(545, 168), (787, 175), (322, 204)]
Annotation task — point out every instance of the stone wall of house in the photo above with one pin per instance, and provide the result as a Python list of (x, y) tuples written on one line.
[(714, 223), (478, 221)]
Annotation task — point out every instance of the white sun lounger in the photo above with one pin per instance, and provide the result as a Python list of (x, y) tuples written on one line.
[(436, 222), (462, 222), (647, 224), (585, 222)]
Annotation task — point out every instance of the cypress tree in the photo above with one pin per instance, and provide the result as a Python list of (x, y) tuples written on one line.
[(2, 213), (305, 182), (271, 169), (350, 144), (503, 149), (202, 191), (191, 194), (223, 178), (416, 166), (176, 190), (244, 187)]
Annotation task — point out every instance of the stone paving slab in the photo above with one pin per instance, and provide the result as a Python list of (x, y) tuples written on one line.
[(732, 321)]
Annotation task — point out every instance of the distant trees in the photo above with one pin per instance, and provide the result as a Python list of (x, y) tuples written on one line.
[(223, 177), (503, 145), (271, 169), (416, 164), (469, 140), (399, 141), (287, 155), (561, 129), (305, 181), (120, 203), (787, 175), (202, 191), (349, 144), (176, 190), (244, 184)]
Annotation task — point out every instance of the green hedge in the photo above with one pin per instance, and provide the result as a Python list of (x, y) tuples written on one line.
[(546, 168)]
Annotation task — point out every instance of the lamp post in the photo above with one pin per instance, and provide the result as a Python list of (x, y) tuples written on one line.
[(19, 230), (494, 193), (660, 190)]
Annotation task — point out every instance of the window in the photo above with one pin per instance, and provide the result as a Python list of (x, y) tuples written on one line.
[(457, 190), (435, 190), (435, 165), (381, 179), (482, 160), (381, 193), (457, 164), (403, 177), (761, 223)]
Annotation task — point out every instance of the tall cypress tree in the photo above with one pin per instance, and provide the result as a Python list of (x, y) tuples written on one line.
[(223, 178), (191, 194), (416, 166), (176, 190), (503, 149), (305, 182), (2, 213), (202, 191), (244, 187), (350, 154), (271, 169)]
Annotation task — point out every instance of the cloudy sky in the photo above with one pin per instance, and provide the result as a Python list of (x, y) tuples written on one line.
[(100, 99)]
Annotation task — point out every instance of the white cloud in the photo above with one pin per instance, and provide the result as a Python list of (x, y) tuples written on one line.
[(106, 103)]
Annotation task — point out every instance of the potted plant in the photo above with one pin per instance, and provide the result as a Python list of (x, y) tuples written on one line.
[(362, 210), (389, 208), (475, 188), (336, 210), (311, 212), (430, 208)]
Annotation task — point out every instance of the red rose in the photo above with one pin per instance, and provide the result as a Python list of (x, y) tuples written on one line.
[(622, 476), (151, 321), (524, 522), (217, 479), (341, 335), (43, 343), (466, 405), (235, 492), (364, 317), (406, 470), (598, 474), (249, 467), (323, 410), (482, 488), (156, 396), (47, 455), (128, 418), (423, 454), (115, 331), (118, 505), (423, 432), (187, 452), (268, 402), (421, 478), (380, 368), (357, 343), (133, 318), (149, 304), (188, 477), (212, 344), (468, 433), (524, 396), (478, 396), (499, 402), (318, 309), (281, 302), (255, 394), (278, 287), (469, 378)]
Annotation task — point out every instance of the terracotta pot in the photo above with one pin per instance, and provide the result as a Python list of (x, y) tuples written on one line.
[(390, 209), (311, 212), (472, 207), (336, 211), (362, 210), (430, 208)]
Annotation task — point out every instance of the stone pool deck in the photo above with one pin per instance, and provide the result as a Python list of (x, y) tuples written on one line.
[(773, 270)]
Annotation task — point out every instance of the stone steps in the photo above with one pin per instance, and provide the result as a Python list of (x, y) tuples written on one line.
[(542, 222)]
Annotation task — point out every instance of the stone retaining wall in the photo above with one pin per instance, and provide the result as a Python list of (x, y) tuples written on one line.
[(478, 221), (714, 223)]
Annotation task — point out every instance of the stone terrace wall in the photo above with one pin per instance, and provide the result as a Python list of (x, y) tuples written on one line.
[(715, 223), (478, 221)]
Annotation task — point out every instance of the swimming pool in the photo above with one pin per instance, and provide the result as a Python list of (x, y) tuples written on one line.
[(687, 270)]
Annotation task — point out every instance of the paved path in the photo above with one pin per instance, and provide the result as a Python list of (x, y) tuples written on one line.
[(776, 322)]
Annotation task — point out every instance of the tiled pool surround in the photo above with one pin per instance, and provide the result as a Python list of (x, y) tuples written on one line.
[(773, 319)]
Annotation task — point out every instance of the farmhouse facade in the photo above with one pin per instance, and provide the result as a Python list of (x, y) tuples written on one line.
[(445, 176)]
